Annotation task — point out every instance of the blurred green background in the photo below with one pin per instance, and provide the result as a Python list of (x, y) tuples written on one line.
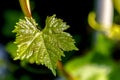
[(97, 59)]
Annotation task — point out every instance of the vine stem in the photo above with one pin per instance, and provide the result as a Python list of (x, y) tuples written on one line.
[(25, 5), (63, 72)]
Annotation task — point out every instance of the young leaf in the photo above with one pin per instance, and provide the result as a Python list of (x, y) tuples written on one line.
[(43, 47)]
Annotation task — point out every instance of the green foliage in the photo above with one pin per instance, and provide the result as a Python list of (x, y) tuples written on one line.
[(115, 74), (11, 48), (83, 68), (43, 47), (96, 64), (103, 45), (117, 5), (10, 21)]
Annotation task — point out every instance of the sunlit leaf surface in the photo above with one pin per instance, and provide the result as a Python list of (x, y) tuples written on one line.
[(43, 47)]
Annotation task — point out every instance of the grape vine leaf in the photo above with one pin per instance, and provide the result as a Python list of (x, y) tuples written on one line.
[(46, 46)]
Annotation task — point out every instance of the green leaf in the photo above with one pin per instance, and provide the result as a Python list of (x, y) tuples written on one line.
[(43, 47)]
